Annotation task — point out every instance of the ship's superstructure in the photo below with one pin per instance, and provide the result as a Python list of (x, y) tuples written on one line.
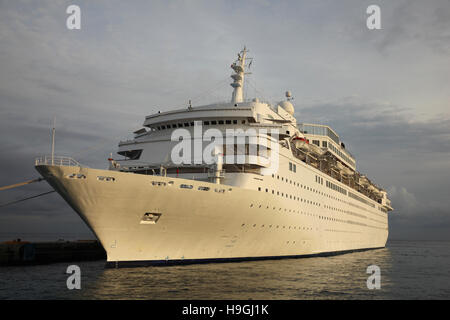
[(237, 180)]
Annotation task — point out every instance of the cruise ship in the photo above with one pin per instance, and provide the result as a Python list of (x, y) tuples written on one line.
[(232, 181)]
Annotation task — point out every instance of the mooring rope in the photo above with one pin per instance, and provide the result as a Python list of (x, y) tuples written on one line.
[(21, 184), (28, 198)]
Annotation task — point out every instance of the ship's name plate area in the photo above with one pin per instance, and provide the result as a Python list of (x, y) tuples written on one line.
[(229, 309)]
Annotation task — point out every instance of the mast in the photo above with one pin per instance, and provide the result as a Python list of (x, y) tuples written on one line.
[(53, 140), (239, 68)]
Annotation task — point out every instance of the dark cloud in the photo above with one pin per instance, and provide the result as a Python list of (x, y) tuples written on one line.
[(133, 59), (407, 156)]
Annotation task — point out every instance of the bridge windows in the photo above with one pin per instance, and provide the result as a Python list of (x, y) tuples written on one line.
[(131, 154)]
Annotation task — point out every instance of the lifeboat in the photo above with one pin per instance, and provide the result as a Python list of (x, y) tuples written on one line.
[(301, 143), (347, 171), (316, 150), (339, 166), (364, 181)]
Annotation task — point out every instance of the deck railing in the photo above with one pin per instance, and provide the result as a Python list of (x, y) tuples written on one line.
[(56, 161)]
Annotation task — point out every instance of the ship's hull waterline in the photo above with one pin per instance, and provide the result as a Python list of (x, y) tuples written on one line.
[(222, 223)]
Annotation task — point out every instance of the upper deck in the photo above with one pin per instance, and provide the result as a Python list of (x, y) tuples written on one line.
[(151, 150), (325, 137)]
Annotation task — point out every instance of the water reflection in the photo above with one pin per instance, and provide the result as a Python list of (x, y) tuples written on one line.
[(336, 277), (409, 270)]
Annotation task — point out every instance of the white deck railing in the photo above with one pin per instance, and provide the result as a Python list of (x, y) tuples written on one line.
[(56, 161)]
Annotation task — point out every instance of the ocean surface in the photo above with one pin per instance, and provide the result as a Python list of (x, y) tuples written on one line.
[(409, 270)]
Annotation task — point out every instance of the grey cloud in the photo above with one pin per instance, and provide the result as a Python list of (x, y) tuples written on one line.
[(405, 155), (135, 58)]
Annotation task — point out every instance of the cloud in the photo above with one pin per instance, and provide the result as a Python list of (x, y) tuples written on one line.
[(408, 155), (386, 93), (404, 200)]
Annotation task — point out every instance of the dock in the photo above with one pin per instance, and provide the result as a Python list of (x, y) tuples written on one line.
[(20, 253)]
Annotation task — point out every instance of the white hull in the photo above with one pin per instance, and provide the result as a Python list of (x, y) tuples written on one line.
[(196, 225)]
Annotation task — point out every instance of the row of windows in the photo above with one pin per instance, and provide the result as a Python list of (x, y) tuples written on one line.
[(352, 213), (221, 122), (364, 209), (290, 196), (333, 148), (316, 203), (335, 187), (319, 130), (319, 180), (187, 186), (322, 193), (356, 197), (297, 184), (245, 149), (319, 217), (341, 154), (201, 188), (191, 124)]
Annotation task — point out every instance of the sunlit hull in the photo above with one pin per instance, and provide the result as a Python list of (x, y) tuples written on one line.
[(195, 225)]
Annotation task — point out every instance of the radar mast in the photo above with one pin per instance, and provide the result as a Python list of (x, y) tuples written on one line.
[(239, 68)]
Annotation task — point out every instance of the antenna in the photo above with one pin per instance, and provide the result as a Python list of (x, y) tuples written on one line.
[(53, 140)]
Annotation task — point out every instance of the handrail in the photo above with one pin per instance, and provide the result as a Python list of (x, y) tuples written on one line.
[(57, 161), (213, 173)]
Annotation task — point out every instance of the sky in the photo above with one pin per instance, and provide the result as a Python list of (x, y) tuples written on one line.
[(385, 92)]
